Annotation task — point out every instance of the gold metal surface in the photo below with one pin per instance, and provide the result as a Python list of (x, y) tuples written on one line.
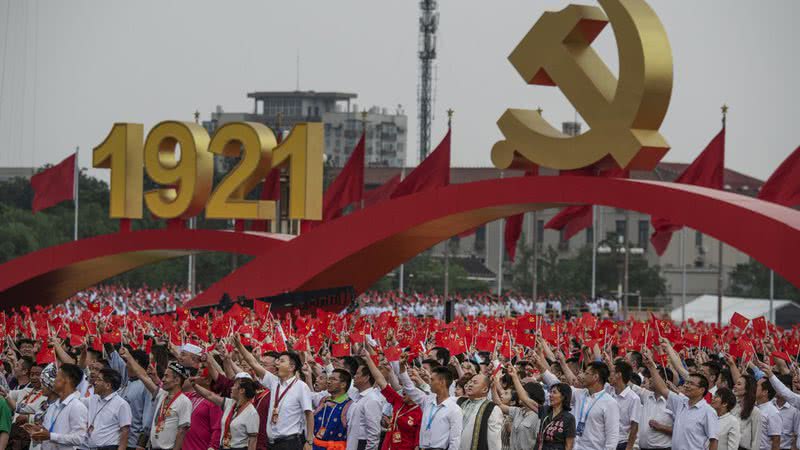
[(624, 115), (121, 152), (302, 150), (187, 181), (254, 142)]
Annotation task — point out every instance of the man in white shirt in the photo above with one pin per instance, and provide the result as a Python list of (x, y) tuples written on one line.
[(442, 419), (729, 434), (172, 414), (696, 423), (64, 424), (109, 414), (655, 424), (364, 421), (790, 416), (630, 406), (596, 412), (771, 424), (290, 425)]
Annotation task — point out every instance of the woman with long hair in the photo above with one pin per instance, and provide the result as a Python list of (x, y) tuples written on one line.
[(749, 416), (557, 431)]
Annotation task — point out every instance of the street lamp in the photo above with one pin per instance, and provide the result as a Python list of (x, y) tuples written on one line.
[(624, 249)]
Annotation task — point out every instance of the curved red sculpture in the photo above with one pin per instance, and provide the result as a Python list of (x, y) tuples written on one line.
[(53, 274), (358, 249)]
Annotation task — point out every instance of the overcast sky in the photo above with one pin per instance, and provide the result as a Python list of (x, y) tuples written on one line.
[(70, 69)]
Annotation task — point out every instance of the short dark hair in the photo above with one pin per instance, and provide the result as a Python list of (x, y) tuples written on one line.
[(727, 397), (702, 381), (294, 358), (24, 341), (535, 391), (431, 362), (97, 355), (365, 372), (27, 363), (442, 355), (767, 386), (636, 357), (344, 376), (350, 364), (73, 373), (445, 373), (566, 395), (111, 377), (624, 370), (601, 369), (141, 358), (249, 387), (714, 368), (273, 354)]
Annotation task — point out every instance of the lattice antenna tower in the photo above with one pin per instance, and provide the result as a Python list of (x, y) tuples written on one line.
[(428, 24)]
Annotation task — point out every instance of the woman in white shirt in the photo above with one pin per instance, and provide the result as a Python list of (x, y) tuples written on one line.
[(239, 417), (728, 438), (749, 416)]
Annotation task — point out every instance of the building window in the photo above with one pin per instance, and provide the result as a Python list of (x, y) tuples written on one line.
[(698, 239), (540, 231), (590, 236), (622, 229), (644, 233), (563, 243), (480, 239)]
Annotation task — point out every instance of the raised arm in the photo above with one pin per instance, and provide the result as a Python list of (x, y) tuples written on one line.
[(380, 380), (259, 370), (570, 376), (408, 386), (206, 394), (138, 371), (522, 394), (61, 354), (675, 359), (656, 382), (496, 395)]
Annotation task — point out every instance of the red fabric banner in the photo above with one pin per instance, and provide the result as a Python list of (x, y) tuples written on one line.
[(513, 228), (783, 186), (432, 173), (382, 192), (54, 185), (706, 170), (348, 187)]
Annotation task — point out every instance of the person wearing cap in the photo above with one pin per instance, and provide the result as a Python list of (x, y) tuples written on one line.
[(109, 413), (190, 355), (173, 410), (48, 379), (64, 424), (291, 423), (239, 418), (24, 403)]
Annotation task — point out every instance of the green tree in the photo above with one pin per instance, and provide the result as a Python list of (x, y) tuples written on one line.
[(752, 280)]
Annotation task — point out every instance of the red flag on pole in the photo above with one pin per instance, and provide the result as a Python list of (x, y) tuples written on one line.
[(574, 219), (348, 187), (382, 192), (708, 171), (432, 173), (783, 187), (54, 185), (513, 228)]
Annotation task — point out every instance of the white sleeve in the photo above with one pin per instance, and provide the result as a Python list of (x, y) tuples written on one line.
[(493, 429)]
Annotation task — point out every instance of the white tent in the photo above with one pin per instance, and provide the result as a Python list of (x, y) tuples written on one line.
[(705, 308)]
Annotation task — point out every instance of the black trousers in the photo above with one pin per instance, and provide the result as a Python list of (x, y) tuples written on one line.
[(294, 442)]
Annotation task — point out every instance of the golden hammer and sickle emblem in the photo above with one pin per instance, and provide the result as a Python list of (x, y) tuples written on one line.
[(623, 115)]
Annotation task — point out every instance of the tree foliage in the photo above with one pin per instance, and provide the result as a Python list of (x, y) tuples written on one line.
[(752, 280)]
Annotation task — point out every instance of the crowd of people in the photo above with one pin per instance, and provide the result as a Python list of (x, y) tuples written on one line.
[(86, 378)]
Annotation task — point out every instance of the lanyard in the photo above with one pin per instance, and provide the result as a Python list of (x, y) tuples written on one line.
[(233, 414), (61, 409), (434, 410), (279, 396), (400, 413), (162, 412), (28, 400), (583, 403), (91, 426)]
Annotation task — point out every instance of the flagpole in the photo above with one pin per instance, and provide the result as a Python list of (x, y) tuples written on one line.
[(402, 266), (719, 269), (500, 253), (594, 250), (192, 225), (76, 189), (447, 241), (535, 262), (683, 275), (771, 295)]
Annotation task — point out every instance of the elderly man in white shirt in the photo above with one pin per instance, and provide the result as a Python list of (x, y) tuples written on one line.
[(64, 424), (109, 414), (696, 423), (442, 418)]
